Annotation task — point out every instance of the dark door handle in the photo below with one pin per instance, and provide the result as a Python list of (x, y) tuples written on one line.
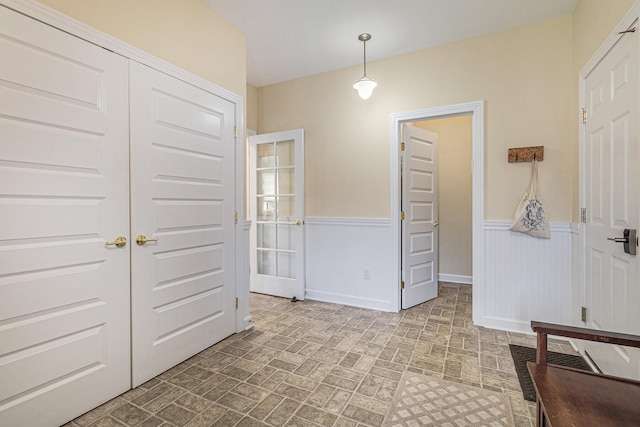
[(628, 240)]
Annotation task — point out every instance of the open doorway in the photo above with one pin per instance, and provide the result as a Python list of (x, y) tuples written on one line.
[(475, 113)]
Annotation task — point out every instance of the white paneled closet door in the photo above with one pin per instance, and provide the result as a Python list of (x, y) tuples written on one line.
[(182, 200), (64, 164)]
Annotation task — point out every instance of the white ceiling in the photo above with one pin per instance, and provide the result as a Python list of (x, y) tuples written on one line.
[(289, 39)]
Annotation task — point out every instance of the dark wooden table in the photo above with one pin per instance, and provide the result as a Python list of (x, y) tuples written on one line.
[(568, 397)]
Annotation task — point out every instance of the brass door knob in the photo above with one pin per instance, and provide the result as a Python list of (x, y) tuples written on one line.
[(436, 223), (142, 239), (120, 242)]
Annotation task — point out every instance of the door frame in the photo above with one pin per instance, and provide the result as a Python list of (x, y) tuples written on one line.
[(85, 32), (579, 295), (476, 111)]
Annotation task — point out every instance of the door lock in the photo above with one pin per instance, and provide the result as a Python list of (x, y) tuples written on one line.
[(628, 240)]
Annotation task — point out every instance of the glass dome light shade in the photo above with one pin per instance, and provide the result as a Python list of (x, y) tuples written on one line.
[(365, 87)]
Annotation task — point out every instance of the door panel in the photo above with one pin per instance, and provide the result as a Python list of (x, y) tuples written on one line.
[(276, 195), (613, 198), (64, 293), (182, 193), (420, 205)]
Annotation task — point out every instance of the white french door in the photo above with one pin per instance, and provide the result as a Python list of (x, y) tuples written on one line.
[(276, 192), (420, 208), (612, 199), (64, 199), (182, 201)]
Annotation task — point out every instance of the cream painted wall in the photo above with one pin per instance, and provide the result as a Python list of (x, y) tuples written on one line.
[(523, 74), (252, 107), (186, 33), (593, 21), (454, 193)]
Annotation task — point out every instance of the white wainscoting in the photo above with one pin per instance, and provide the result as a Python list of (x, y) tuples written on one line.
[(526, 278), (338, 250)]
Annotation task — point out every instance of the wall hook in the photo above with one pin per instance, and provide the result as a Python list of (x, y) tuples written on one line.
[(526, 154)]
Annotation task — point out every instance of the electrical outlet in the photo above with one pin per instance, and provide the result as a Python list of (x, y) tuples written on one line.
[(365, 273)]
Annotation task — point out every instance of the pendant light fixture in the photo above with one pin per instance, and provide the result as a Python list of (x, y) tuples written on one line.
[(365, 85)]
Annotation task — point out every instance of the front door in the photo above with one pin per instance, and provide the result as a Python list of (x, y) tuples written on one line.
[(612, 183), (64, 199), (182, 203), (276, 191), (420, 209)]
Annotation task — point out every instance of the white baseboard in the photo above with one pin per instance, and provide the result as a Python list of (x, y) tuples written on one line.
[(455, 278), (354, 301)]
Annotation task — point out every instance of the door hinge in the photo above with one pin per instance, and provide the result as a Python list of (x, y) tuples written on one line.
[(236, 303), (402, 215), (235, 217), (583, 313), (583, 215), (402, 284), (235, 131), (402, 146), (583, 112)]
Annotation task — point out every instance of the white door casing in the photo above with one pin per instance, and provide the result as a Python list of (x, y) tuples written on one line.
[(182, 194), (64, 293), (476, 110), (276, 206), (612, 198), (420, 224)]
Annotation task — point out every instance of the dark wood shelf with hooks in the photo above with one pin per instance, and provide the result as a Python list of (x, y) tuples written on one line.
[(526, 154)]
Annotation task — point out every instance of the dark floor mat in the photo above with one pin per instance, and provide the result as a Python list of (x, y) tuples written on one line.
[(521, 355)]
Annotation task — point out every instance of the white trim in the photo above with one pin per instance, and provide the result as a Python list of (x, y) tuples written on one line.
[(334, 298), (575, 228), (476, 110), (455, 278), (556, 227), (354, 222), (244, 311)]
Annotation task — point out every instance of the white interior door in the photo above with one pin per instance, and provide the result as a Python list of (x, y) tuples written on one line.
[(64, 163), (182, 194), (276, 192), (612, 182), (420, 208)]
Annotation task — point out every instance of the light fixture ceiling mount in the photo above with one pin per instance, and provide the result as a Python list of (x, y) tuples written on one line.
[(365, 85)]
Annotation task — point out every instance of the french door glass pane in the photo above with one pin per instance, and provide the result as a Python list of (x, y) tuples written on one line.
[(266, 236), (266, 208), (285, 236), (286, 153), (266, 156), (266, 182), (267, 263), (286, 265), (286, 208), (286, 181)]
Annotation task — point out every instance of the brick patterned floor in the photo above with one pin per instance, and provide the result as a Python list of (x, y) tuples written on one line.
[(318, 364)]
